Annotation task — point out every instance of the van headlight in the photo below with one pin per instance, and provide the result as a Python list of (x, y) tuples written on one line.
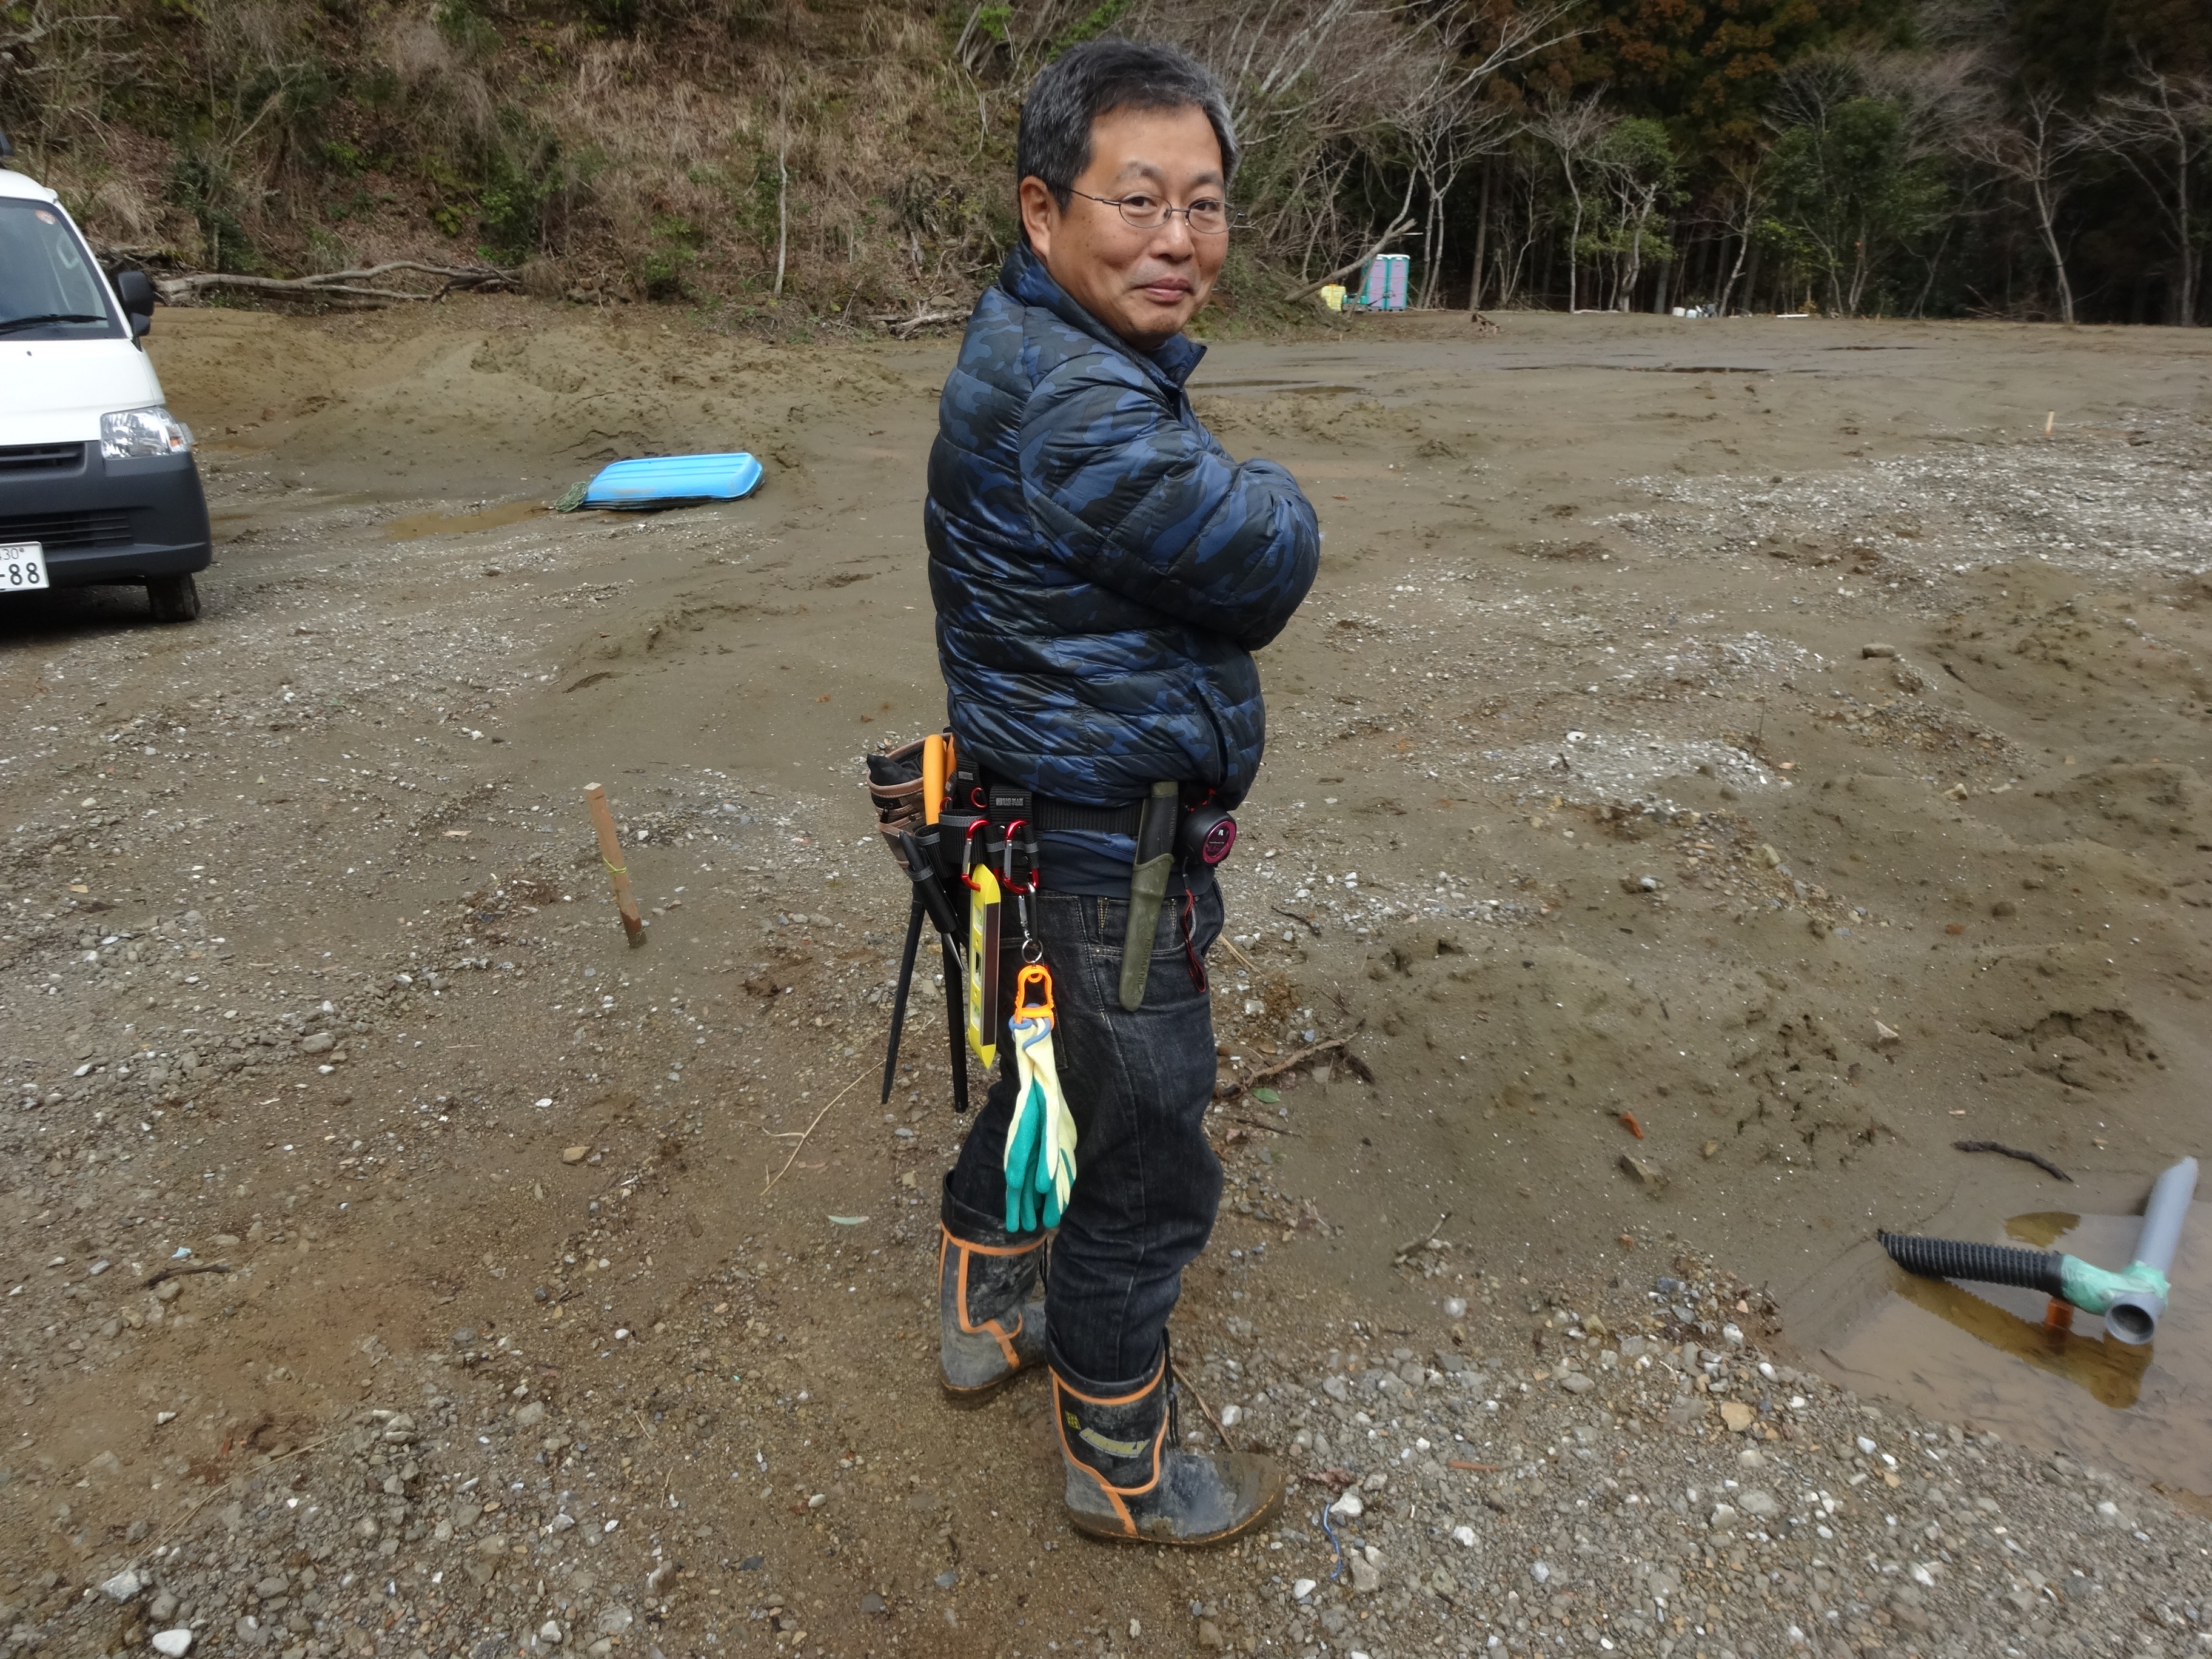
[(136, 434)]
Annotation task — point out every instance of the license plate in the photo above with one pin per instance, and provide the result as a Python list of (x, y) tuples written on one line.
[(23, 566)]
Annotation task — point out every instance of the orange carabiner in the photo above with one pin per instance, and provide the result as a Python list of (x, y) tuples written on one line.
[(1033, 974)]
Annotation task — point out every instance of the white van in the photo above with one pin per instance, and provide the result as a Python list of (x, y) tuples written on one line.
[(97, 479)]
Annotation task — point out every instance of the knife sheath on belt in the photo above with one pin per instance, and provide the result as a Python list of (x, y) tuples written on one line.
[(1148, 886)]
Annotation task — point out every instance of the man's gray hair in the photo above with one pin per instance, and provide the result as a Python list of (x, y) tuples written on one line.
[(1086, 82)]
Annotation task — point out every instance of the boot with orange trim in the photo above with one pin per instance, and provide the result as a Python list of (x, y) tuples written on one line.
[(1130, 1479), (990, 1304)]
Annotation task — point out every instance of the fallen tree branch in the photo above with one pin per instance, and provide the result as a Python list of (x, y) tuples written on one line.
[(348, 284), (1332, 1046), (804, 1134), (905, 328), (1411, 1245), (1227, 1439), (2036, 1158), (1404, 227), (180, 1269)]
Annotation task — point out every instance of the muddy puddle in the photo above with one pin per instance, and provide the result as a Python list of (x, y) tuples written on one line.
[(1988, 1356), (418, 525)]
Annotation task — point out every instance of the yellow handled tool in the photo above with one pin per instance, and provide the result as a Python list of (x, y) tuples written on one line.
[(984, 965)]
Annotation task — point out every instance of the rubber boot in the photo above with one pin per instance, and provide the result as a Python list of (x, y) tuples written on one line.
[(990, 1305), (1130, 1479)]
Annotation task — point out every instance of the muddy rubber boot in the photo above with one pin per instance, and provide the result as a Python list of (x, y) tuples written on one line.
[(990, 1306), (1130, 1479)]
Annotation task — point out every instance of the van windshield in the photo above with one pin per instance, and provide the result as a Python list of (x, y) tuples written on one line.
[(49, 289)]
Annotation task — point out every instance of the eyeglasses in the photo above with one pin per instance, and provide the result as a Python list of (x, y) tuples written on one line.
[(1208, 217)]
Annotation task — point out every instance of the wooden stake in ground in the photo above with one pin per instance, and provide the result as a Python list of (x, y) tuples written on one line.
[(611, 854)]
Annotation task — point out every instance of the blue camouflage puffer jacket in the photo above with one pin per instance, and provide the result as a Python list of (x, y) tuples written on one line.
[(1101, 569)]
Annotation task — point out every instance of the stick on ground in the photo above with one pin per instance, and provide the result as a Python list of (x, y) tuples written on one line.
[(611, 854), (802, 1134), (2036, 1158), (1227, 1438)]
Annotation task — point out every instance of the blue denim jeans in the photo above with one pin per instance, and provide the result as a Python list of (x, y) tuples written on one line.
[(1146, 1180)]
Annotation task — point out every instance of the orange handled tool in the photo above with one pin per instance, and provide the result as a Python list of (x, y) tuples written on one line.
[(934, 766)]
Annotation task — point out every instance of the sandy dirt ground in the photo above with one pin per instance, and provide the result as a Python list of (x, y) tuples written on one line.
[(1721, 766)]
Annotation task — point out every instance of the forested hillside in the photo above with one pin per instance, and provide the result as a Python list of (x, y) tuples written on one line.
[(789, 165)]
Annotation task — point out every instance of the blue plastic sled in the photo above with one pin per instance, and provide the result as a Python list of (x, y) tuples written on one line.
[(672, 480)]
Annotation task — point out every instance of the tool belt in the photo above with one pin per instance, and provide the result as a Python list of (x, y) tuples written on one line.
[(946, 821)]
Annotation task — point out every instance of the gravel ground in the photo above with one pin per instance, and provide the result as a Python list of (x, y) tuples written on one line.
[(397, 1265), (1610, 1469)]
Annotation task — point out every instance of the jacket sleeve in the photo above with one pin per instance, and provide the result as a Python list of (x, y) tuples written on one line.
[(1150, 507)]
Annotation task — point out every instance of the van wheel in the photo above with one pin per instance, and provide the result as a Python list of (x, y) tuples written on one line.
[(172, 598)]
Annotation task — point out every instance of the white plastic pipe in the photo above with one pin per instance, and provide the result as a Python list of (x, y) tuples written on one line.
[(2134, 1314)]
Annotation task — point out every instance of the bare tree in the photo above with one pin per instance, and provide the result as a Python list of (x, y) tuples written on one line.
[(2161, 131), (1573, 127), (1739, 205), (1444, 139), (1318, 87), (2037, 149)]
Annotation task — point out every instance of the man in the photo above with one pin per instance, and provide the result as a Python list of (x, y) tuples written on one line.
[(1101, 572)]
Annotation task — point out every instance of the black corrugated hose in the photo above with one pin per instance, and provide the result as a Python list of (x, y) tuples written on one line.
[(1985, 1264)]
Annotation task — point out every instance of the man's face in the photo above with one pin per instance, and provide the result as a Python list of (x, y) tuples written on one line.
[(1145, 285)]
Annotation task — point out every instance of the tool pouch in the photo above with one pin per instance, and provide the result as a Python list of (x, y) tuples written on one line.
[(895, 789)]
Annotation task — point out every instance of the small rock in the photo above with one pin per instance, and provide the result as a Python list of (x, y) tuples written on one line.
[(1732, 1335), (1366, 1578), (1542, 1573), (1302, 1588), (1882, 1034), (1759, 1504), (1232, 1416), (1768, 856), (1210, 1636), (1575, 1383), (873, 1605), (1463, 1536), (1748, 1458), (1455, 1307), (321, 1043), (1737, 1415), (173, 1642), (1348, 1506), (1723, 1517), (946, 1579), (1648, 1175), (530, 1414), (574, 1154), (613, 1621), (550, 1632), (1877, 649), (124, 1586)]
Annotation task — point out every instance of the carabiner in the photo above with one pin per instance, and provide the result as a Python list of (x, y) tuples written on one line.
[(968, 850), (1007, 861)]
